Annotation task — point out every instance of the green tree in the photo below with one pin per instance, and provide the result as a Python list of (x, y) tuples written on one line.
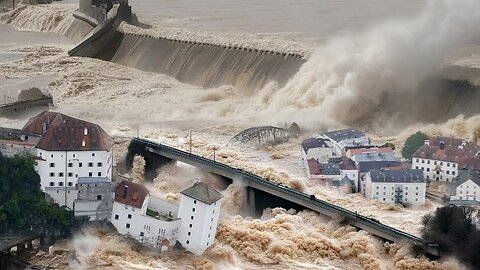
[(391, 145), (413, 143)]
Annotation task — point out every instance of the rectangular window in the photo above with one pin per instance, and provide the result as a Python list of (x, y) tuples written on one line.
[(52, 184), (194, 201), (70, 164), (52, 165), (189, 233), (99, 197), (448, 164), (190, 226), (448, 172), (52, 174), (70, 184), (99, 174), (142, 234), (193, 209), (99, 164), (90, 164), (191, 217), (60, 174), (70, 174), (90, 174), (80, 164), (60, 184), (127, 226), (116, 217), (188, 242), (428, 161), (453, 172), (428, 169), (93, 154), (129, 216)]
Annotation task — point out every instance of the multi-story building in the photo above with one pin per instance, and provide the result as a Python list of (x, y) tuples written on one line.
[(344, 139), (466, 188), (159, 224), (395, 186), (441, 158), (67, 148), (316, 148), (348, 169), (199, 212), (95, 198)]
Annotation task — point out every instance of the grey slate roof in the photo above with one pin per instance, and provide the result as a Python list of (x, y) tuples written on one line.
[(367, 166), (397, 176), (376, 156), (465, 175), (329, 169), (340, 135), (314, 143), (93, 180), (202, 192)]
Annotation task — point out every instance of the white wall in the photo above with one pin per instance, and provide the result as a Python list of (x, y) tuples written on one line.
[(67, 167), (351, 174), (201, 224), (154, 230), (320, 154), (413, 193), (448, 170), (467, 191)]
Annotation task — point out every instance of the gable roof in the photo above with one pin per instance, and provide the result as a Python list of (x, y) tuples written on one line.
[(202, 192), (60, 132), (367, 166), (130, 193), (314, 143), (344, 162), (397, 176), (343, 134), (461, 155), (465, 175)]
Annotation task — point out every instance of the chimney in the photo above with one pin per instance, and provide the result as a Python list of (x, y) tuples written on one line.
[(85, 131), (125, 191), (427, 142), (464, 142), (442, 145), (460, 147)]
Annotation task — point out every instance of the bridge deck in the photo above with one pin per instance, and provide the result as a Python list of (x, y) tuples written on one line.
[(310, 202)]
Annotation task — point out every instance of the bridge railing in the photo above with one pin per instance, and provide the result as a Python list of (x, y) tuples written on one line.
[(368, 222)]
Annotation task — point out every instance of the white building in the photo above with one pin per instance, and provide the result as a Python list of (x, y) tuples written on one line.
[(441, 158), (67, 148), (395, 186), (159, 224), (95, 198), (466, 188), (149, 220), (348, 169), (333, 171), (317, 149), (344, 139), (199, 212)]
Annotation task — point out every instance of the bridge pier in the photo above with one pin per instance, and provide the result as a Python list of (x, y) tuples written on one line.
[(251, 210)]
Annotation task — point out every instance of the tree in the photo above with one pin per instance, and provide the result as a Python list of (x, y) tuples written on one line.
[(391, 145), (413, 143)]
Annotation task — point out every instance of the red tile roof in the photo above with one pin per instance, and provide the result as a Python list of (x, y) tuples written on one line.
[(134, 196), (314, 167), (344, 162), (465, 156), (65, 133)]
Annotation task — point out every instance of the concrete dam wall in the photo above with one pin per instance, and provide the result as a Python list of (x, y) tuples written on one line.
[(201, 64)]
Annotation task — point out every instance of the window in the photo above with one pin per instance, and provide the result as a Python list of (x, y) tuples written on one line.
[(93, 154), (377, 187), (99, 174), (448, 172), (441, 163), (453, 172), (194, 201), (52, 174), (417, 159), (73, 155), (60, 184), (142, 234), (211, 220), (191, 217), (193, 209), (210, 227), (423, 160), (51, 155), (80, 164), (70, 184), (129, 216), (448, 164), (428, 161), (377, 193), (428, 169), (70, 164), (52, 165), (384, 187), (99, 164), (416, 167), (190, 226), (60, 174), (406, 193), (90, 174), (127, 226), (116, 217), (189, 233), (207, 243), (99, 197), (70, 174), (383, 199), (90, 164), (406, 188), (453, 165), (416, 188), (188, 242), (52, 184), (416, 199), (213, 212)]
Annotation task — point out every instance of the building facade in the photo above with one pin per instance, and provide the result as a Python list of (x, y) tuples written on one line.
[(466, 188), (199, 212), (395, 186), (317, 149), (95, 198), (344, 139)]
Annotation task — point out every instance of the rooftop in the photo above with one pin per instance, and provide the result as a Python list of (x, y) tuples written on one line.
[(344, 162), (367, 166), (130, 193), (344, 134), (465, 175), (361, 150), (397, 176), (314, 143), (93, 180), (202, 192), (375, 156), (462, 154), (317, 168)]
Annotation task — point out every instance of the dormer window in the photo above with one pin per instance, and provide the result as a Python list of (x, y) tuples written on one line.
[(85, 131), (83, 143)]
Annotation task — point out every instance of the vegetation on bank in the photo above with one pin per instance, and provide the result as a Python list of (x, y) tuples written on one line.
[(23, 205), (412, 144)]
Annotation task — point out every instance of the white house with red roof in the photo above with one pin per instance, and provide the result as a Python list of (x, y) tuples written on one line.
[(159, 224), (67, 148)]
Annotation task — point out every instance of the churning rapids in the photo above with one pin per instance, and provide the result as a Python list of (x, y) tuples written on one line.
[(383, 78)]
